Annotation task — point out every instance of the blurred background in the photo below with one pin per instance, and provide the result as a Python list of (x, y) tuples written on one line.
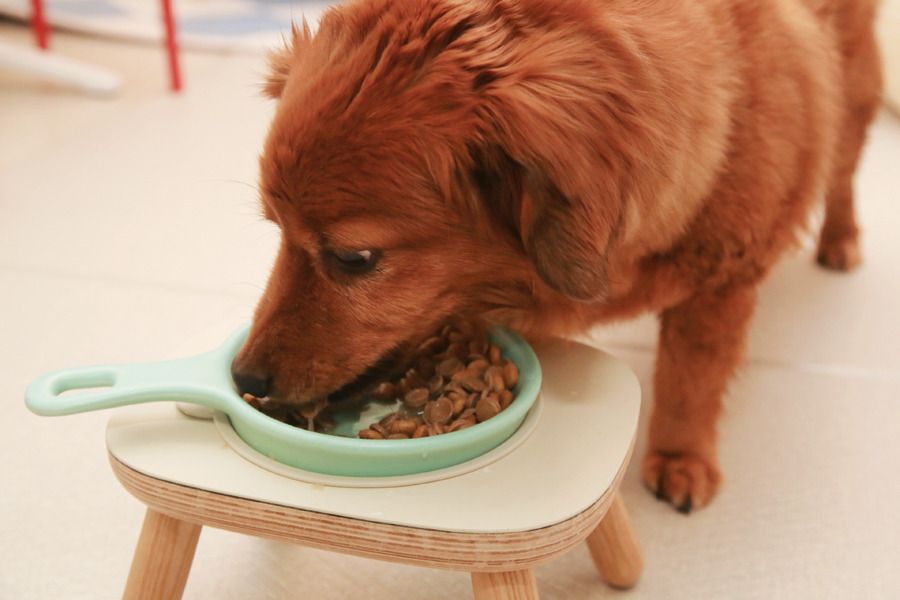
[(129, 227)]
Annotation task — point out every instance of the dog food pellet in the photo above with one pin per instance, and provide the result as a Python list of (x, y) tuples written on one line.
[(406, 427), (386, 422), (415, 380), (397, 436), (431, 345), (478, 366), (494, 354), (368, 434), (416, 398), (438, 411), (510, 374), (384, 391), (421, 431), (494, 378), (252, 401), (380, 429), (450, 366), (436, 385), (426, 367), (459, 404), (459, 424), (474, 383), (487, 408)]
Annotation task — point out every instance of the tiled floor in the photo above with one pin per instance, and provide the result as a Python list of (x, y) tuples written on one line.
[(128, 226)]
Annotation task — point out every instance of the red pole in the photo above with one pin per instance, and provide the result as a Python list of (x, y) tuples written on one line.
[(171, 44), (38, 24)]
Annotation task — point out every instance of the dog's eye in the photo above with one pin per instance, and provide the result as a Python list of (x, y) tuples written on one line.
[(354, 262)]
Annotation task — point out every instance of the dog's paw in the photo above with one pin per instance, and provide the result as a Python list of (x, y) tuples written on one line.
[(687, 481), (840, 254)]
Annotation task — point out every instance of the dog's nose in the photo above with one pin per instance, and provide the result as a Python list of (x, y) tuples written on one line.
[(250, 384)]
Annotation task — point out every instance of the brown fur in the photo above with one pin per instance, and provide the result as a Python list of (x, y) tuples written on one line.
[(551, 164)]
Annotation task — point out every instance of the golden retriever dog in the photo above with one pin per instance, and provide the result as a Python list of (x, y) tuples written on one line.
[(548, 165)]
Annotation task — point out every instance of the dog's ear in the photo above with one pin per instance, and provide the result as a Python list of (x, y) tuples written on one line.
[(282, 60), (566, 236)]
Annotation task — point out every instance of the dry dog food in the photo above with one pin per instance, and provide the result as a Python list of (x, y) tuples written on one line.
[(457, 380)]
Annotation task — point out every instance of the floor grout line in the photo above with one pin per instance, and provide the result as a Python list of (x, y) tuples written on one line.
[(832, 370)]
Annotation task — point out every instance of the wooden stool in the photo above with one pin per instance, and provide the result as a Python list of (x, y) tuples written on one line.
[(498, 522)]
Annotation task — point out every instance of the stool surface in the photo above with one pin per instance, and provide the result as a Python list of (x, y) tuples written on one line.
[(590, 405)]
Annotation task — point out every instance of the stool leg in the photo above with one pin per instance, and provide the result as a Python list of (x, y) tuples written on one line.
[(511, 585), (615, 548), (162, 559)]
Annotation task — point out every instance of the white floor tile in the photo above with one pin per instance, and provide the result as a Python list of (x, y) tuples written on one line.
[(68, 527), (163, 194)]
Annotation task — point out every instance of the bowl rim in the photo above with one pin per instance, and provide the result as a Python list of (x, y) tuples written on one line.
[(526, 392), (236, 442)]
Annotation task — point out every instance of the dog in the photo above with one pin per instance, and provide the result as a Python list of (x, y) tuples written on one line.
[(549, 165)]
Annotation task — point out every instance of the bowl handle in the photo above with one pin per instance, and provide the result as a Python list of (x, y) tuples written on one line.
[(192, 379)]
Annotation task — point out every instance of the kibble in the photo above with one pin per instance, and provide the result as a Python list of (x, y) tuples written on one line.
[(368, 434), (459, 424), (459, 404), (510, 374), (380, 429), (506, 398), (449, 367), (435, 385), (459, 379), (478, 366), (416, 398), (439, 411), (494, 354), (386, 422), (426, 367), (487, 409), (384, 391), (474, 383), (406, 427)]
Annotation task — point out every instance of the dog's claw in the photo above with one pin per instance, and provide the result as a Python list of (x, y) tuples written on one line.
[(686, 506), (840, 254), (660, 494), (686, 481)]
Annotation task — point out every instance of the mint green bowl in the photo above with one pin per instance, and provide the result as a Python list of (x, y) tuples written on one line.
[(205, 379)]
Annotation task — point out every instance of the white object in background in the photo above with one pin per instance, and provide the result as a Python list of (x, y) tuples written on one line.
[(889, 39), (58, 69), (248, 26)]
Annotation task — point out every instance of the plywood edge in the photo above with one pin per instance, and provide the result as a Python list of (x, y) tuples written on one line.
[(473, 552)]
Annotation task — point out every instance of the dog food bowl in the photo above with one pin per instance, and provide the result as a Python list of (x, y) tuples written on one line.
[(205, 379)]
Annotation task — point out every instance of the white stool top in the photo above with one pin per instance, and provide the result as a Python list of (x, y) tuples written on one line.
[(582, 440)]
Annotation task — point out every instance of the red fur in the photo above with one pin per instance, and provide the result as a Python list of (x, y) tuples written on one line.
[(551, 164)]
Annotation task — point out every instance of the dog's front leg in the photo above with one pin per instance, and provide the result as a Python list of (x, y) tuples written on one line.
[(701, 343)]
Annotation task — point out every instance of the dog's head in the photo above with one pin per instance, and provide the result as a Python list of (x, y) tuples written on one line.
[(427, 160)]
